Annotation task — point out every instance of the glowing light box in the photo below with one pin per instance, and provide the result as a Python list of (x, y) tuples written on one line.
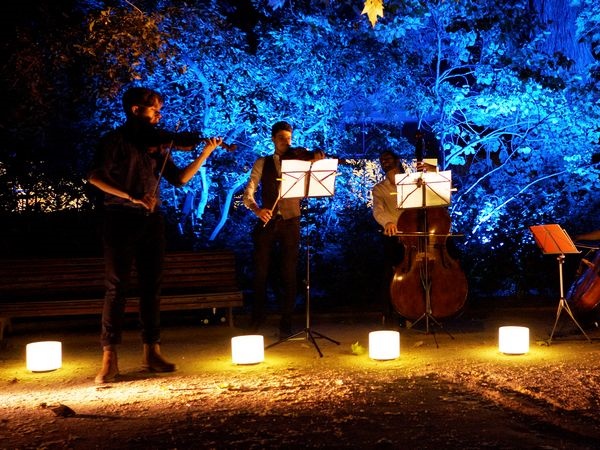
[(384, 345), (513, 340), (248, 349), (44, 356)]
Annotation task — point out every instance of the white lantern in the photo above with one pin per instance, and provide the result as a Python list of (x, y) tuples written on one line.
[(513, 340), (384, 345), (44, 356), (248, 349)]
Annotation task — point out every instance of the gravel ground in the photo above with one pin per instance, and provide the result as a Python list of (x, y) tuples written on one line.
[(450, 388)]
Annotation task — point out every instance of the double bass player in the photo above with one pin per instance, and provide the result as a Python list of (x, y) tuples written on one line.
[(387, 214)]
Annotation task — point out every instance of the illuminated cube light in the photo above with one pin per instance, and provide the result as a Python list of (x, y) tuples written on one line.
[(513, 340), (43, 356), (384, 345), (248, 349)]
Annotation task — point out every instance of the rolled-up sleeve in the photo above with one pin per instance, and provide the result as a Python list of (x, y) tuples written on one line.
[(252, 186), (385, 208)]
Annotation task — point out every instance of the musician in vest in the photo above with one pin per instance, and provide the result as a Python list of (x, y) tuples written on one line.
[(278, 227)]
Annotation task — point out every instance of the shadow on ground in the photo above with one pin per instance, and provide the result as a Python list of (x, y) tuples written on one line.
[(450, 388)]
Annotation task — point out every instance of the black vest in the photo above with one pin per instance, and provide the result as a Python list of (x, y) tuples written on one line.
[(269, 183), (286, 207)]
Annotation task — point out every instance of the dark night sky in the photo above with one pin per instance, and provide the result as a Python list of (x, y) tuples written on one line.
[(34, 14)]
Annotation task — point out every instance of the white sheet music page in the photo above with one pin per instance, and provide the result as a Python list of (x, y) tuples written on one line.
[(294, 178), (423, 189), (322, 178)]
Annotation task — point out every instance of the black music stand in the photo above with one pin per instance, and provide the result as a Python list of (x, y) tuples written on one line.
[(424, 190), (303, 179), (553, 240)]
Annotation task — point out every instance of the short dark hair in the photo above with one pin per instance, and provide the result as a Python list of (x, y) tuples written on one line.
[(389, 153), (140, 96), (280, 126)]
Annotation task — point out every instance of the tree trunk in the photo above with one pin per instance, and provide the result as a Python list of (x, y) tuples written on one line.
[(560, 16)]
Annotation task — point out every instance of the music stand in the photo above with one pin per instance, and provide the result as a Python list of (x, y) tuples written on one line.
[(301, 179), (424, 190), (553, 240)]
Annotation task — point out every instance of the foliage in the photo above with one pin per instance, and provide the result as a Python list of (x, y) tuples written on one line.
[(517, 126)]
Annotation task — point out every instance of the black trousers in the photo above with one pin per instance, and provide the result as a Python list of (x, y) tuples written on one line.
[(278, 238), (132, 238), (393, 253)]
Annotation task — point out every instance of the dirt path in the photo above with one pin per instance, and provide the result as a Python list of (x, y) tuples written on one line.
[(460, 394)]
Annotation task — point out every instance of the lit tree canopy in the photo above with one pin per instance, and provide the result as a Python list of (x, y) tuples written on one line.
[(508, 104)]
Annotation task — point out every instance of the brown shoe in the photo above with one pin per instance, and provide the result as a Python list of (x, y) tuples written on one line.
[(110, 366), (153, 360)]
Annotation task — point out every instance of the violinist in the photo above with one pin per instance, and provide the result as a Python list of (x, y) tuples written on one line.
[(278, 227), (127, 169)]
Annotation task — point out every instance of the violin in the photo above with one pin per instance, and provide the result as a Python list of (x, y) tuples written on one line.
[(226, 146), (302, 153), (428, 282), (185, 141)]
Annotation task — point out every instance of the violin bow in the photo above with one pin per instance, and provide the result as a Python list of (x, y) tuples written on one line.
[(164, 164), (274, 206)]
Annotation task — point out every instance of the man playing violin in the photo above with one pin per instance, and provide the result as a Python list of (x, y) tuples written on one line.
[(278, 227), (128, 166)]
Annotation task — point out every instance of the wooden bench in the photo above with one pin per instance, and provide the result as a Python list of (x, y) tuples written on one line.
[(75, 286)]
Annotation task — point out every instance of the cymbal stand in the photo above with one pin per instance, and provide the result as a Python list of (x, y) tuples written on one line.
[(562, 303)]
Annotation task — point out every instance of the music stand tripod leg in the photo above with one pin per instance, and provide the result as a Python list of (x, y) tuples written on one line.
[(308, 333), (558, 312), (310, 337), (427, 318), (570, 313), (427, 315), (287, 338), (562, 303), (325, 337)]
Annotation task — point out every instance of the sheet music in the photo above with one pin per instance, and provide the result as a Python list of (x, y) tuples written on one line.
[(294, 178), (437, 186), (322, 178), (305, 179)]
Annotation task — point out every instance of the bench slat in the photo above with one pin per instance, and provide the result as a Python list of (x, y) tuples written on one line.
[(23, 278), (74, 286), (94, 306)]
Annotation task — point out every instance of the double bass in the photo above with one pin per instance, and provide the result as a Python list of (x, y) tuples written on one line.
[(428, 283), (584, 294)]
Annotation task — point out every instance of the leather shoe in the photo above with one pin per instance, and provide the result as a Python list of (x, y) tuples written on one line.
[(110, 367), (154, 361)]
